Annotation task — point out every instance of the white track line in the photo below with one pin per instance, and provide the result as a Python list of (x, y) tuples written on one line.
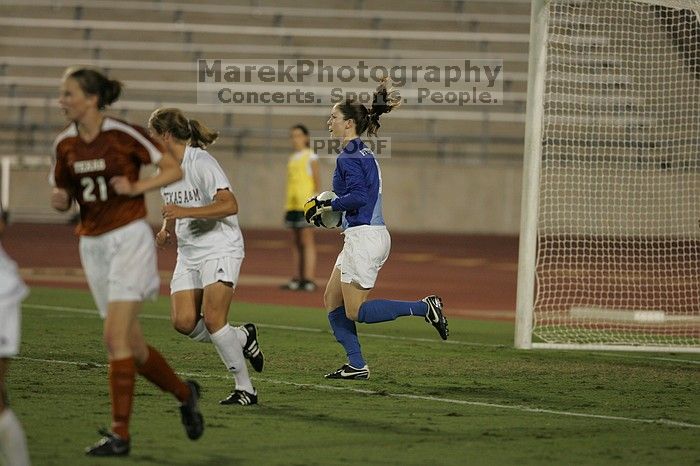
[(94, 312), (653, 358), (526, 409)]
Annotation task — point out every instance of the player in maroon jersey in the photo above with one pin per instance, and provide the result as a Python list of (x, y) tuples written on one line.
[(97, 162)]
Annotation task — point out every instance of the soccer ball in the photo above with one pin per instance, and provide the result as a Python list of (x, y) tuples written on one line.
[(330, 219)]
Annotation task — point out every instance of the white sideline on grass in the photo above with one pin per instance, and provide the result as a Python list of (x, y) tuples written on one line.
[(527, 409), (94, 313)]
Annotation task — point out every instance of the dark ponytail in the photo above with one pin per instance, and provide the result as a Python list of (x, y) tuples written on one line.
[(384, 100), (111, 92), (173, 121), (201, 135), (94, 82)]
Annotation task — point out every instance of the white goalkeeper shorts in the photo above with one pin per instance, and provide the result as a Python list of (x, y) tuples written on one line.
[(197, 277), (121, 265), (365, 250)]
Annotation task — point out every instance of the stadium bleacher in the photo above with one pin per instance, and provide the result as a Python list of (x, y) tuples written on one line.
[(152, 46), (154, 53)]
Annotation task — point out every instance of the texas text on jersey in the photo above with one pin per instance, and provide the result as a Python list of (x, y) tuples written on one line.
[(84, 170)]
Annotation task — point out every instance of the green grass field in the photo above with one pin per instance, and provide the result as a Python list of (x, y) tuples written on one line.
[(473, 401)]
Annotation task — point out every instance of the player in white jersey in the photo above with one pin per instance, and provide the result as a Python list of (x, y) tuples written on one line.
[(13, 445), (201, 210)]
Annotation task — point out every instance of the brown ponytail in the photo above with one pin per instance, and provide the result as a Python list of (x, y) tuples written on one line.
[(201, 135), (385, 99), (94, 82), (173, 121)]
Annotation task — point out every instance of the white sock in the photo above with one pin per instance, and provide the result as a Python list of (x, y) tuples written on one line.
[(231, 352), (242, 335), (200, 332), (13, 444)]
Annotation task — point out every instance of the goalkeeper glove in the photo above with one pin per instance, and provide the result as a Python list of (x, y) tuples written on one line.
[(314, 208)]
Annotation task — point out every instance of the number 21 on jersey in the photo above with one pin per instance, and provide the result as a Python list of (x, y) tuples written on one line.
[(90, 194)]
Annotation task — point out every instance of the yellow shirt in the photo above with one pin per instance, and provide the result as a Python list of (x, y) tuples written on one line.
[(300, 181)]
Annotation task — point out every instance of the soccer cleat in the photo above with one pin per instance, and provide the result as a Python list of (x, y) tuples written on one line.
[(251, 350), (292, 285), (350, 373), (240, 397), (308, 285), (189, 412), (109, 445), (434, 315)]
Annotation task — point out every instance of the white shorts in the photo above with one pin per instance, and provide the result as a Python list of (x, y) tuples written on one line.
[(12, 292), (121, 265), (365, 250), (10, 323), (196, 277)]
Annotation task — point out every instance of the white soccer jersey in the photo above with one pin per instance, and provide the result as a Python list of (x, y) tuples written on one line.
[(201, 239)]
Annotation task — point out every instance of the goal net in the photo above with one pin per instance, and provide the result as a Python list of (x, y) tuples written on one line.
[(610, 237)]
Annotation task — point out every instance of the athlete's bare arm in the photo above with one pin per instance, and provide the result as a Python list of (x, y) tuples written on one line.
[(224, 204), (169, 172)]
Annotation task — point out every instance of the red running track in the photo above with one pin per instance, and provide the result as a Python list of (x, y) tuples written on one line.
[(475, 275)]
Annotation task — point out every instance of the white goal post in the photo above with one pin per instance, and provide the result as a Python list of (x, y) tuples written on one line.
[(610, 228)]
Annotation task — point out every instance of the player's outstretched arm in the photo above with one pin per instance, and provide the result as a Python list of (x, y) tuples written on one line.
[(169, 172), (224, 204)]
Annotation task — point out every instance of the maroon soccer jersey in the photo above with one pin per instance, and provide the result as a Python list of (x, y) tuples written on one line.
[(84, 170)]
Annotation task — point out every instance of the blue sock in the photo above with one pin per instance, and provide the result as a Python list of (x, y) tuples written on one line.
[(383, 310), (346, 334)]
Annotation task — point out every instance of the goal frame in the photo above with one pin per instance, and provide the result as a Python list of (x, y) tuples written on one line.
[(539, 21)]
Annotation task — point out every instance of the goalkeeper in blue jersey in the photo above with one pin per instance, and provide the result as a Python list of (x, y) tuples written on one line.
[(357, 182)]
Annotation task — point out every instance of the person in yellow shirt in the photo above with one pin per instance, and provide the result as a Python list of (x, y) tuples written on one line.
[(303, 182)]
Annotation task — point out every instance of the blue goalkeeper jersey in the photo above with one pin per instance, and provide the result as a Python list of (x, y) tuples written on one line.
[(357, 181)]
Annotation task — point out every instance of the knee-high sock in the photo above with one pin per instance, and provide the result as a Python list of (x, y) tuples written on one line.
[(122, 375), (346, 334), (200, 333), (228, 345), (13, 444), (157, 371), (383, 310)]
